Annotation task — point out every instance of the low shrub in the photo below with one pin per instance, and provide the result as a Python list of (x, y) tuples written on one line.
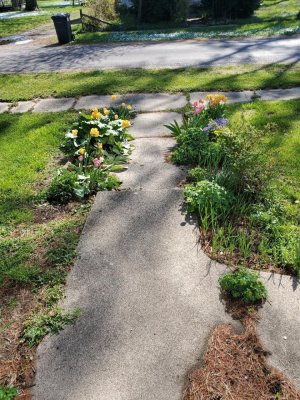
[(243, 284)]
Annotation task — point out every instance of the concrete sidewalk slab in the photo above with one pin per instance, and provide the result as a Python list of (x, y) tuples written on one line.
[(233, 97), (147, 150), (150, 176), (4, 107), (22, 107), (279, 326), (149, 169), (149, 300), (89, 102), (54, 105), (155, 101), (152, 124), (279, 94)]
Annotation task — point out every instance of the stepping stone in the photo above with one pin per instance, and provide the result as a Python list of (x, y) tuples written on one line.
[(155, 101), (143, 286), (89, 102), (23, 106), (152, 124), (4, 107), (279, 94), (279, 325), (54, 105), (233, 97)]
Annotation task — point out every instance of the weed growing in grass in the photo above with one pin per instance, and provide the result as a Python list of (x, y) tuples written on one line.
[(37, 326)]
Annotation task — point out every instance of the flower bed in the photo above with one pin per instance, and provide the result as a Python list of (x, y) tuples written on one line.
[(231, 187), (96, 145)]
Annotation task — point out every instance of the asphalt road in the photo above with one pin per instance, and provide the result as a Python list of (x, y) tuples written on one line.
[(33, 57)]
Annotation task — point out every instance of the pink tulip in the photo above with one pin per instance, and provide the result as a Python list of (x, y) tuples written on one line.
[(198, 109), (80, 158), (96, 162), (195, 104)]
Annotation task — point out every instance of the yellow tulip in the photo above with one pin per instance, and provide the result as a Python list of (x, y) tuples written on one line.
[(125, 123), (82, 151), (123, 105), (113, 97), (116, 116), (94, 132), (129, 107), (75, 132), (106, 111)]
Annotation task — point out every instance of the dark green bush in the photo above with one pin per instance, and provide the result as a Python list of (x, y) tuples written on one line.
[(230, 9), (61, 189), (162, 10), (243, 284)]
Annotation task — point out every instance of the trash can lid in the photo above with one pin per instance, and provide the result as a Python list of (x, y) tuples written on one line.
[(60, 15)]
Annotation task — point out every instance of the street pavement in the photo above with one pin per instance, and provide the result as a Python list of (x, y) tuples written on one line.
[(33, 57)]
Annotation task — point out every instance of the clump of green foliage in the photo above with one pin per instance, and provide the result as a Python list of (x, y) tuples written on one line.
[(241, 212), (8, 393), (243, 284), (95, 146), (61, 189), (37, 326), (210, 200)]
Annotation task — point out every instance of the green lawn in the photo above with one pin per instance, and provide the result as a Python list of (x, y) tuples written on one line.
[(28, 86), (282, 145), (15, 26), (274, 17), (27, 142)]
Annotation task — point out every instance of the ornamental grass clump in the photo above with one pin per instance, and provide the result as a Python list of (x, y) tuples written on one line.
[(96, 145)]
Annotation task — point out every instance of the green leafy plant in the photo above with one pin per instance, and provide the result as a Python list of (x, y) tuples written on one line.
[(211, 201), (243, 284), (36, 327), (61, 189), (96, 145), (8, 393)]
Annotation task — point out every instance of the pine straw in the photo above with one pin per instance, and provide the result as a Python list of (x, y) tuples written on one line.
[(235, 368)]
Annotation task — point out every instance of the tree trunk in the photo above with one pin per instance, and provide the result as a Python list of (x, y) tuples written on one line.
[(139, 16)]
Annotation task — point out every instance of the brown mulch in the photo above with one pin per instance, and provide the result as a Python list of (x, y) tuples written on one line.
[(235, 367)]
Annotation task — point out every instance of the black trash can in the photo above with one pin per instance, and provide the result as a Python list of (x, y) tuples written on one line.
[(62, 26)]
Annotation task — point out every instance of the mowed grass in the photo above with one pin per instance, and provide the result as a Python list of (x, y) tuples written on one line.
[(28, 86), (13, 26), (28, 142)]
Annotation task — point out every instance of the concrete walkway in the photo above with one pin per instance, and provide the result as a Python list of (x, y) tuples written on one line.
[(143, 101), (149, 296), (37, 58)]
